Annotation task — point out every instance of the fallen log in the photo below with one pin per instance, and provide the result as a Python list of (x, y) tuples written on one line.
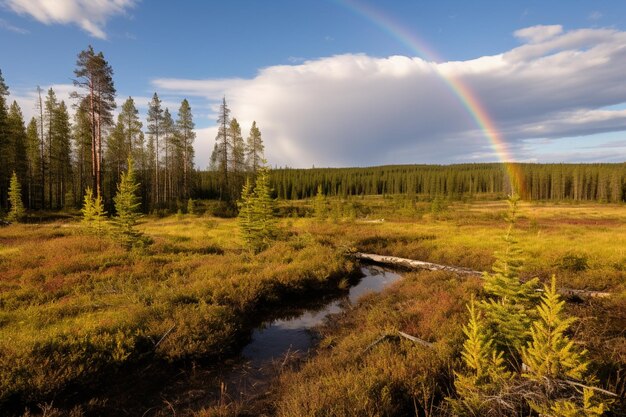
[(415, 264), (412, 264)]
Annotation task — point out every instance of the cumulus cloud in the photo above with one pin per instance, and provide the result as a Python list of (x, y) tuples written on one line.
[(356, 109), (90, 15)]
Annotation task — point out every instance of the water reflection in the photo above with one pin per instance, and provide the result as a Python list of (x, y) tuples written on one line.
[(274, 339)]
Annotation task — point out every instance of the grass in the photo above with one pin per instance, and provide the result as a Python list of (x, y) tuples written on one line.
[(74, 308)]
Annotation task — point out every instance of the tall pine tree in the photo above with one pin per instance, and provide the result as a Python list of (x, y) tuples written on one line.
[(187, 135), (94, 76), (254, 148)]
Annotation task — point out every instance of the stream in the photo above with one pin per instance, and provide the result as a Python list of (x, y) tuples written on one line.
[(289, 334), (277, 338)]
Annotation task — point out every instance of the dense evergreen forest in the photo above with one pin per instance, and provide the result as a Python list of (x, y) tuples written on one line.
[(57, 157), (578, 182)]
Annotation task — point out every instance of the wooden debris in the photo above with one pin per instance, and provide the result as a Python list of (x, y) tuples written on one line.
[(397, 336), (156, 345), (414, 264)]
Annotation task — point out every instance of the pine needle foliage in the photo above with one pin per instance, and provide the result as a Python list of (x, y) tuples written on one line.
[(320, 206), (127, 205), (245, 213), (550, 353), (485, 373), (191, 206), (256, 217), (509, 301), (17, 211), (94, 216)]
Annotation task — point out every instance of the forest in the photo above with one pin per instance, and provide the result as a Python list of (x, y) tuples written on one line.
[(573, 182), (56, 157)]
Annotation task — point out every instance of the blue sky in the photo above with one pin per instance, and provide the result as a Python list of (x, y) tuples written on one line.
[(283, 63)]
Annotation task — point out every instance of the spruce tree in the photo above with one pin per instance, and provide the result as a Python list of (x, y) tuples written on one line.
[(155, 132), (552, 357), (191, 207), (222, 151), (321, 206), (245, 217), (33, 163), (5, 145), (550, 353), (509, 301), (264, 222), (237, 159), (254, 148), (94, 216), (185, 127), (16, 211), (127, 206), (256, 217), (485, 373)]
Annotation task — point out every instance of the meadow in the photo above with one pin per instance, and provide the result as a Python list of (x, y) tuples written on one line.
[(78, 312)]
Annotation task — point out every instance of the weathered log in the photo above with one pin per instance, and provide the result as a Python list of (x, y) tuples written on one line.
[(414, 264)]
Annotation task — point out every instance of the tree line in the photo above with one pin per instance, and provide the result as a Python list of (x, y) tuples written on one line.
[(233, 161), (56, 159), (578, 182)]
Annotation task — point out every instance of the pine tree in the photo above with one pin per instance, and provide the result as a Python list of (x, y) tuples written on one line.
[(551, 357), (155, 131), (185, 127), (550, 353), (486, 374), (321, 206), (246, 213), (264, 226), (60, 154), (94, 216), (5, 145), (170, 145), (223, 151), (81, 135), (94, 76), (127, 206), (256, 216), (17, 143), (33, 164), (16, 212), (254, 148), (237, 159), (509, 300), (191, 206)]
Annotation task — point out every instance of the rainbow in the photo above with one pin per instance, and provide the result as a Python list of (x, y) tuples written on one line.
[(468, 99)]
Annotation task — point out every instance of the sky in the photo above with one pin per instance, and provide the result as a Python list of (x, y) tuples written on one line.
[(350, 82)]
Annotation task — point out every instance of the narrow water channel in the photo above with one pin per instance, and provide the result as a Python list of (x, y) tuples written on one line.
[(250, 375), (276, 338)]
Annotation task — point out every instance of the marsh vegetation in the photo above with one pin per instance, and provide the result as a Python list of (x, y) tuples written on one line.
[(81, 313)]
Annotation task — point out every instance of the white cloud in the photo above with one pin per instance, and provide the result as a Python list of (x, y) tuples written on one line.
[(357, 110), (538, 33), (90, 15)]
